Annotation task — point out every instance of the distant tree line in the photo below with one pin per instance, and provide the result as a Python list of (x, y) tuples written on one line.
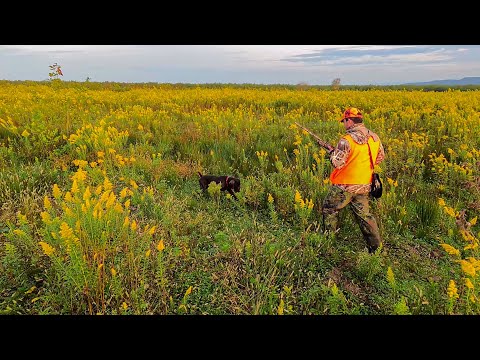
[(121, 86)]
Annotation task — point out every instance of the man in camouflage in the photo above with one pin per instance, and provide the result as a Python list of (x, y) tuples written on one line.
[(353, 159)]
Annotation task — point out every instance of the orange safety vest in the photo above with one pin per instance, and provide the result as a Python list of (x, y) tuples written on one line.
[(357, 169)]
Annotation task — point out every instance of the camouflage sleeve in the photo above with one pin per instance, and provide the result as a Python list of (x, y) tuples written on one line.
[(380, 155), (340, 154)]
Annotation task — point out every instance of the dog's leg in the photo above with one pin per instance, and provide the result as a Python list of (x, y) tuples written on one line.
[(203, 186), (232, 193)]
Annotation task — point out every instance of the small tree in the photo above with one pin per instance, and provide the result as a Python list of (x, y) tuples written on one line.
[(336, 84), (55, 72)]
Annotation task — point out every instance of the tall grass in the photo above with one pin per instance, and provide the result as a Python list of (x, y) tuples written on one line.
[(101, 211)]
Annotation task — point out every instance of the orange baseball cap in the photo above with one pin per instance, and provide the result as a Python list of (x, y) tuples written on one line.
[(352, 112)]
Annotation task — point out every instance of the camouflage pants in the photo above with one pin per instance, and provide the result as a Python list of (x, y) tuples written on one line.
[(336, 200)]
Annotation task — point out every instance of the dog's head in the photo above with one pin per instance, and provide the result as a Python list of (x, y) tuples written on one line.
[(234, 184)]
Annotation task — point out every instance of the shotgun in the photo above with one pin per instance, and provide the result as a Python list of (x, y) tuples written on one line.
[(320, 142)]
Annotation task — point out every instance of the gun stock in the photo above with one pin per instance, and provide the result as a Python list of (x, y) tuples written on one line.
[(320, 142)]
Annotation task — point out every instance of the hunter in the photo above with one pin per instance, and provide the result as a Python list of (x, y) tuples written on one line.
[(353, 160)]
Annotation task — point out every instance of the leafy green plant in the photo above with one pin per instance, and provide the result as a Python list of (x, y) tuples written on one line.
[(55, 72)]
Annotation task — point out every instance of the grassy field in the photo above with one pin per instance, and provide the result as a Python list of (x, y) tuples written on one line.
[(101, 211)]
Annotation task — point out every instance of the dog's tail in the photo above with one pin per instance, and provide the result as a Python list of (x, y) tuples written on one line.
[(199, 174)]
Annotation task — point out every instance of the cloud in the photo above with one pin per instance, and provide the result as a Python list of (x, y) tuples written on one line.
[(373, 55), (267, 64)]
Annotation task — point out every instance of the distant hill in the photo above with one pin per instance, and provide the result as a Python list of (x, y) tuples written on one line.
[(451, 82)]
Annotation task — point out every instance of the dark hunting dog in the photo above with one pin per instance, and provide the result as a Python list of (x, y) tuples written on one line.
[(229, 183)]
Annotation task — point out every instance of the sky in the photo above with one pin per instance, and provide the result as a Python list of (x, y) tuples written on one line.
[(252, 64)]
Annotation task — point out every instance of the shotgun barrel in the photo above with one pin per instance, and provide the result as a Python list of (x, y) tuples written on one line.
[(320, 142)]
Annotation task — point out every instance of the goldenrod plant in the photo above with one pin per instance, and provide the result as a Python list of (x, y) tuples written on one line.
[(101, 211)]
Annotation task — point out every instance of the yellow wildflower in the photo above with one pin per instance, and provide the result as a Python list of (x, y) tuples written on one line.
[(474, 262), (270, 198), (87, 194), (104, 197), (123, 193), (298, 140), (110, 201), (468, 283), (19, 232), (79, 175), (390, 277), (32, 289), (56, 191), (310, 204), (467, 268), (80, 163), (188, 292), (298, 197), (133, 225), (450, 211), (113, 271), (280, 307), (160, 246), (22, 218), (450, 249), (98, 190), (452, 290), (107, 184), (471, 246), (118, 207), (152, 230), (25, 133), (134, 184), (147, 254), (68, 196), (45, 217), (74, 188), (46, 202), (66, 232), (47, 249), (68, 211)]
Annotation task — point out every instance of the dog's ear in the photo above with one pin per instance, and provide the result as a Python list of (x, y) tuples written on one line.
[(199, 174)]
